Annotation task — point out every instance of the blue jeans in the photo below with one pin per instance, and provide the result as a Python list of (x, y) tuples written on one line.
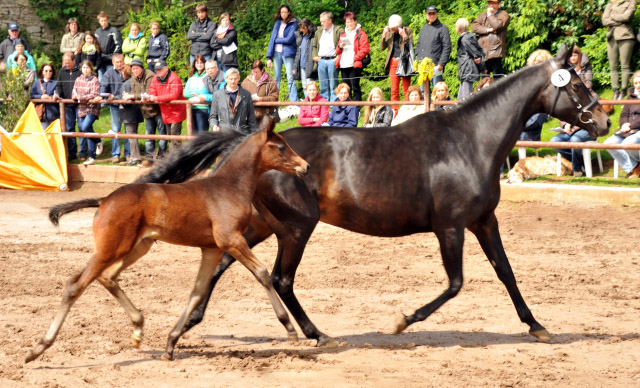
[(193, 58), (305, 80), (85, 124), (627, 159), (328, 78), (573, 154), (116, 127), (150, 126), (200, 120), (70, 114), (278, 59)]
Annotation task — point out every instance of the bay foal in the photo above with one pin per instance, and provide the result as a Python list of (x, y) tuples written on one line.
[(210, 213)]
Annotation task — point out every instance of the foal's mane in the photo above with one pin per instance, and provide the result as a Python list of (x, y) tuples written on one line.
[(194, 157)]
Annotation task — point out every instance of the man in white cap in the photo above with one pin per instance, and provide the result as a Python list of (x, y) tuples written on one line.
[(7, 46)]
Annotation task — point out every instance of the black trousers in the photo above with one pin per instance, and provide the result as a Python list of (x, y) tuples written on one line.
[(494, 65), (351, 76)]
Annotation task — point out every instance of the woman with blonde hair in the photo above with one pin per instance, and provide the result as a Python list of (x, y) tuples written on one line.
[(440, 93), (377, 115), (135, 44), (539, 55)]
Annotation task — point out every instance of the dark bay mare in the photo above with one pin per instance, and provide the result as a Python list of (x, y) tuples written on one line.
[(210, 213), (438, 172)]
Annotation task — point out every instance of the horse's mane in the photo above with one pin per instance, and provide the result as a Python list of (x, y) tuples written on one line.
[(193, 157)]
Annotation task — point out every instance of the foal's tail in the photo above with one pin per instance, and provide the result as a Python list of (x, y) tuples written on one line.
[(194, 157), (59, 210)]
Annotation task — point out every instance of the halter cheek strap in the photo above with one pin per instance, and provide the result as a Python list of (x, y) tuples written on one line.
[(560, 80)]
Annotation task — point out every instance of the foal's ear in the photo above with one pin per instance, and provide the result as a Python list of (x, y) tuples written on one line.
[(271, 125), (564, 54)]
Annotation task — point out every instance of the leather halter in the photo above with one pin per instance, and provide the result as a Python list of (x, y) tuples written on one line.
[(585, 116)]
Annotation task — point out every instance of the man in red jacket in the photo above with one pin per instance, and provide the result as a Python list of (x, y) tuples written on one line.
[(167, 86)]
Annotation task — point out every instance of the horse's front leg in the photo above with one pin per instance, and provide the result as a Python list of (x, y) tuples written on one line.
[(210, 260), (451, 242), (488, 235)]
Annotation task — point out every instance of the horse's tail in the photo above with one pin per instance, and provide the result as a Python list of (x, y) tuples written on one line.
[(195, 156), (59, 210)]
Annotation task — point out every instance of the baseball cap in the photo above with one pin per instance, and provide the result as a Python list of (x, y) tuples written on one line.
[(13, 26), (432, 8), (17, 42), (137, 62), (160, 63)]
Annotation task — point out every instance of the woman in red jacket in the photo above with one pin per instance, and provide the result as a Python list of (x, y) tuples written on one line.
[(313, 116), (167, 86), (352, 48)]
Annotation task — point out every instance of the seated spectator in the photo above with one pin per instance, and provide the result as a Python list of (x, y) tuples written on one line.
[(629, 160), (29, 74), (45, 89), (262, 88), (86, 90), (7, 46), (166, 86), (470, 56), (440, 93), (484, 82), (533, 126), (131, 116), (377, 115), (134, 45), (538, 56), (20, 49), (313, 115), (582, 66), (158, 46), (241, 118), (72, 38), (573, 134), (303, 65), (343, 115), (192, 90), (200, 33), (224, 44), (91, 51), (408, 111)]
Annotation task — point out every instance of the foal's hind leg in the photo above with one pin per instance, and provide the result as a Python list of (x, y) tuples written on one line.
[(108, 280), (489, 237), (210, 260)]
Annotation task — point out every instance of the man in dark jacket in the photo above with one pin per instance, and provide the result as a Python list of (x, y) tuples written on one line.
[(7, 46), (434, 43), (232, 108), (200, 33), (158, 46), (66, 80), (110, 88), (110, 40)]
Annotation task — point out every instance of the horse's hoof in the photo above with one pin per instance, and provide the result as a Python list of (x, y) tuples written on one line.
[(293, 337), (327, 342), (542, 335), (136, 338), (167, 357), (401, 323), (30, 357)]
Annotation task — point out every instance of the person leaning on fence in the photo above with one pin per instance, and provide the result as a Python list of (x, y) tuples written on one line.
[(434, 43), (7, 46), (85, 90), (351, 50), (282, 48), (20, 49), (224, 44), (131, 116), (343, 115), (72, 38), (440, 92), (110, 89), (491, 26), (134, 45), (192, 91), (313, 115), (140, 82), (324, 54), (396, 39), (377, 115), (45, 88), (629, 133), (66, 79), (262, 88), (200, 33), (533, 127), (409, 111), (232, 107), (166, 86), (110, 40), (304, 68), (470, 59), (617, 17), (158, 46)]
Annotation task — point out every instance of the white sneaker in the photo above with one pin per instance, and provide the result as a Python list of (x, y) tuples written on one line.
[(99, 148), (89, 161)]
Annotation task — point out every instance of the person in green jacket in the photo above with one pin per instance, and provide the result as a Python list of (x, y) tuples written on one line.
[(134, 45)]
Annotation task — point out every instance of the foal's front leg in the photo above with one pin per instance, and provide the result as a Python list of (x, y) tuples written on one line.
[(210, 260)]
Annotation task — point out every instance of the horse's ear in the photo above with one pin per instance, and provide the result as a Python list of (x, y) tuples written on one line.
[(563, 54), (271, 125)]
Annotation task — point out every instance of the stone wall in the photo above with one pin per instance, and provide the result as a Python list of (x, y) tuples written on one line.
[(21, 12)]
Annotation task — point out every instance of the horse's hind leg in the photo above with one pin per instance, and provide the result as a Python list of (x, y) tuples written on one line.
[(488, 235), (108, 279), (210, 259), (74, 288), (451, 242)]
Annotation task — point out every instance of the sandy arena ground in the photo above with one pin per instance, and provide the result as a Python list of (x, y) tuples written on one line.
[(578, 268)]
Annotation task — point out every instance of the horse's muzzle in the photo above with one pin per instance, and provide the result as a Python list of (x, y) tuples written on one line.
[(302, 170)]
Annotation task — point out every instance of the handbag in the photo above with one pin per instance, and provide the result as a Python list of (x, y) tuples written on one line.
[(40, 107), (405, 62)]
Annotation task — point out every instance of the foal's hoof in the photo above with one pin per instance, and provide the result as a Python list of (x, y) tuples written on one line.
[(167, 357), (30, 357), (293, 337), (327, 342), (401, 323), (542, 335), (136, 338)]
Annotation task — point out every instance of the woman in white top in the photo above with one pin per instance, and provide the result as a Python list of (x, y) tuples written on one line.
[(408, 111), (353, 46)]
